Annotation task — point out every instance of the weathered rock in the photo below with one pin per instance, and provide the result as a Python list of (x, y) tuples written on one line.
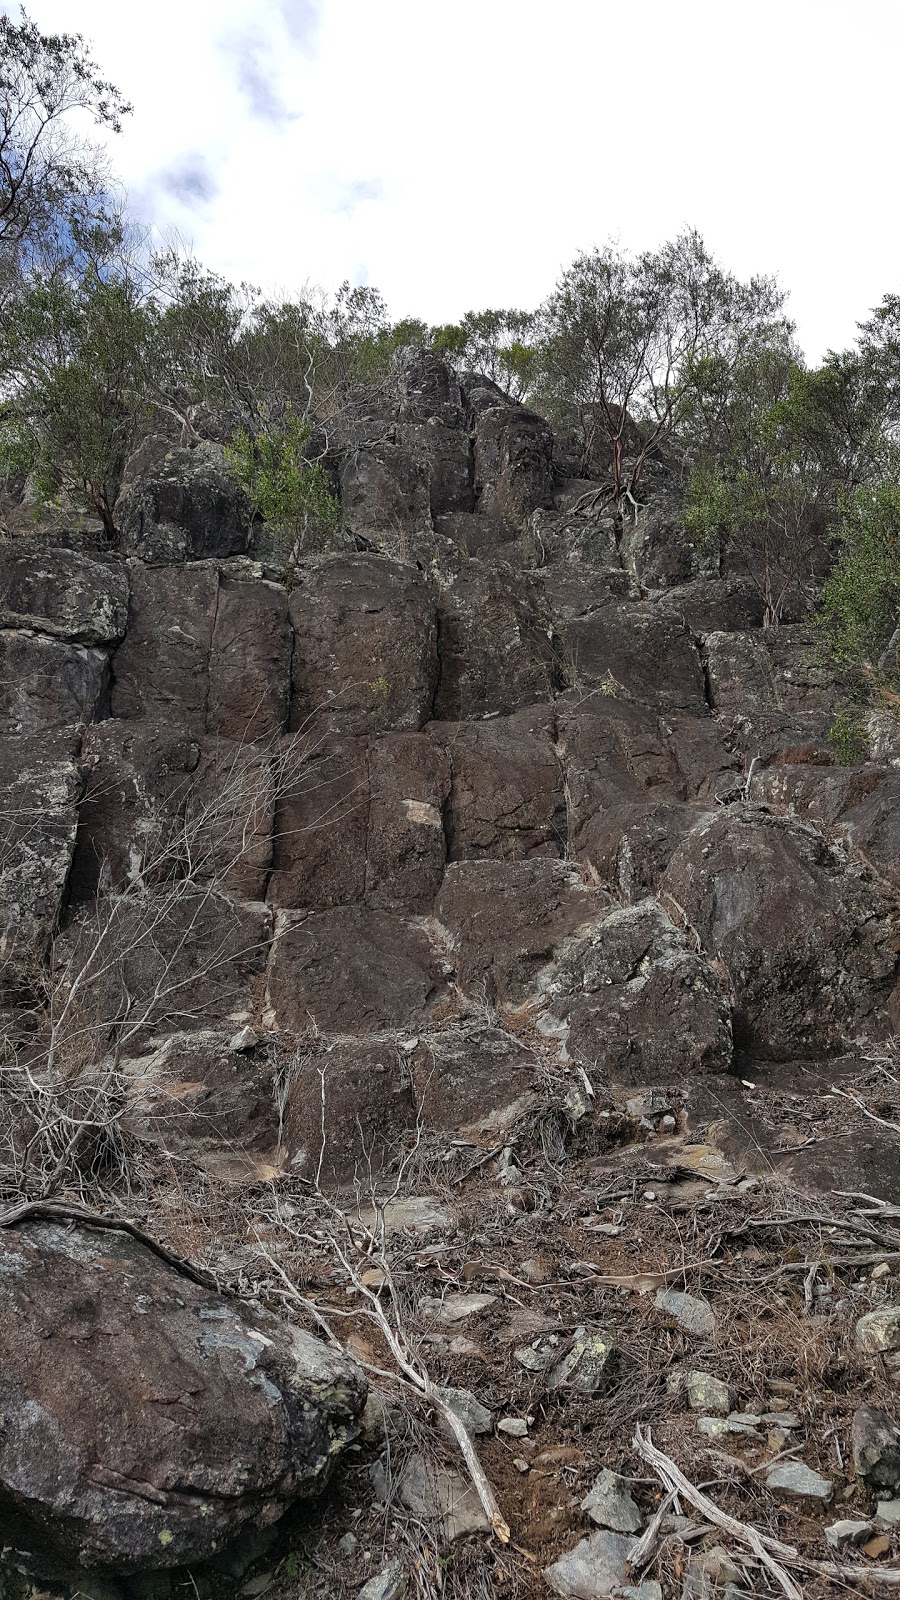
[(608, 1502), (365, 651), (185, 507), (39, 789), (161, 669), (847, 1532), (795, 1477), (647, 845), (427, 388), (772, 668), (691, 1313), (354, 970), (476, 1418), (806, 938), (638, 1003), (513, 462), (444, 452), (386, 495), (506, 920), (637, 651), (506, 801), (409, 783), (250, 661), (587, 1365), (617, 764), (879, 1331), (391, 1584), (594, 1569), (888, 1511), (205, 1415), (440, 1494), (472, 1078), (48, 683), (51, 589), (321, 826), (706, 1393), (716, 605), (862, 804), (875, 1441), (495, 639), (348, 1107)]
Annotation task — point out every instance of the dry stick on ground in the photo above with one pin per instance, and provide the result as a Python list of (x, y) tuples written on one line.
[(854, 1099)]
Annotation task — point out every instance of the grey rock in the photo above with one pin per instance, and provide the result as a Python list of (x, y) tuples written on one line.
[(391, 1584), (587, 1364), (878, 1331), (608, 1502), (62, 592), (795, 1477), (875, 1441), (888, 1511), (475, 1417), (706, 1393), (716, 1563), (440, 1494), (594, 1569), (721, 1427), (516, 1427), (694, 1315), (455, 1307), (847, 1532)]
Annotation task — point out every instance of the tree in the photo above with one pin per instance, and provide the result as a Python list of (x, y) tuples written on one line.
[(623, 338), (859, 616), (284, 486), (498, 343), (48, 169)]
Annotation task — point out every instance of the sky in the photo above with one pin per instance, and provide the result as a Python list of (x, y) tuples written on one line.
[(459, 153)]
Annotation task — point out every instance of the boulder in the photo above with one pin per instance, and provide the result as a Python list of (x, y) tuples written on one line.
[(496, 643), (506, 799), (250, 661), (161, 668), (807, 939), (595, 1568), (444, 453), (472, 1078), (321, 826), (506, 920), (348, 1107), (618, 764), (186, 506), (513, 461), (427, 388), (206, 1415), (862, 804), (386, 495), (40, 784), (772, 668), (715, 605), (875, 1441), (637, 1004), (365, 648), (63, 592), (636, 651), (355, 970), (658, 548), (409, 784), (48, 683)]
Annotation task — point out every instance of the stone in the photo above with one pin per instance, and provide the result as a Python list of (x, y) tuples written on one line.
[(635, 651), (618, 764), (455, 1307), (443, 451), (875, 1442), (635, 1001), (475, 1417), (796, 1478), (888, 1511), (721, 1427), (40, 785), (588, 1365), (839, 1534), (513, 461), (609, 1503), (365, 646), (250, 661), (409, 779), (347, 1108), (472, 1079), (61, 592), (515, 1427), (803, 933), (495, 639), (595, 1568), (224, 1415), (706, 1393), (507, 800), (386, 494), (320, 842), (691, 1314), (354, 970), (878, 1331), (413, 1214), (391, 1584), (48, 683), (440, 1494), (185, 507), (161, 668), (715, 605), (715, 1563)]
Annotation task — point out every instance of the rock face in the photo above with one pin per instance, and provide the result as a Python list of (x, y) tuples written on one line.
[(499, 790), (205, 1416)]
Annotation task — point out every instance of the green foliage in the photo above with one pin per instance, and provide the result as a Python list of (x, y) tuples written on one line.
[(859, 616), (847, 737), (284, 487), (498, 343)]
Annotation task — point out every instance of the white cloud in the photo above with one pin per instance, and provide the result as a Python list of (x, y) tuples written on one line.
[(458, 152)]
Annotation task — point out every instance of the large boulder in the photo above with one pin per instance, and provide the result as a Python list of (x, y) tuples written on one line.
[(147, 1419), (48, 683), (161, 669), (513, 461), (617, 763), (39, 788), (496, 643), (365, 647), (386, 495), (250, 660), (772, 668), (507, 798), (186, 506), (62, 592), (808, 939), (862, 804), (637, 651), (637, 1004)]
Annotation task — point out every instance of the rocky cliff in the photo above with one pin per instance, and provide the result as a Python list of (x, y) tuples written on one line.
[(500, 809)]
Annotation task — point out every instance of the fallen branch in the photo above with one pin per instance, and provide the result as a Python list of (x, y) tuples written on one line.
[(62, 1211)]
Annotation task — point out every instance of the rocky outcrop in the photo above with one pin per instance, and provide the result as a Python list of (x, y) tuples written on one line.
[(205, 1416)]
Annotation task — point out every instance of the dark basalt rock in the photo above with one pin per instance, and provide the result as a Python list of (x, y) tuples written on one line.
[(205, 1416), (185, 507), (62, 592)]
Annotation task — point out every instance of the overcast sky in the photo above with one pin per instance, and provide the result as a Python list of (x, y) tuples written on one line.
[(457, 153)]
